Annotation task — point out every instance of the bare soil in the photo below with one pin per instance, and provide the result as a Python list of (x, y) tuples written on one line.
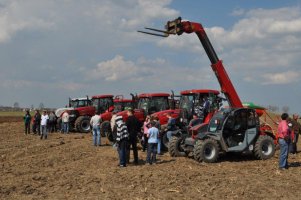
[(69, 167)]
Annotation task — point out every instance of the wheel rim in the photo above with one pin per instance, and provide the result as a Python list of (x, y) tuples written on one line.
[(266, 148), (209, 151), (85, 125)]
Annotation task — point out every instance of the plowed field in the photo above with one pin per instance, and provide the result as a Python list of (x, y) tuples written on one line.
[(69, 167)]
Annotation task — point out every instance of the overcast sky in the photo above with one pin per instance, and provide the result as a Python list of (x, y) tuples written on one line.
[(54, 49)]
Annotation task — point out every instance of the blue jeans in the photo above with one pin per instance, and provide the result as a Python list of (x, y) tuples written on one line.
[(44, 131), (96, 136), (66, 127), (159, 146), (122, 151), (151, 153), (283, 153)]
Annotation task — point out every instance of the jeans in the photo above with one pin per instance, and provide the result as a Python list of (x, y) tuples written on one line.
[(122, 151), (44, 131), (133, 143), (151, 153), (96, 135), (66, 127), (283, 153), (159, 146)]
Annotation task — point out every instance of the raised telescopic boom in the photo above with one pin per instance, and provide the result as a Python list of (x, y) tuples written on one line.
[(178, 27)]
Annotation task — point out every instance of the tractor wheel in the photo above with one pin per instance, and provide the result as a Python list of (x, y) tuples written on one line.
[(264, 147), (106, 131), (175, 149), (82, 124), (206, 150), (165, 142)]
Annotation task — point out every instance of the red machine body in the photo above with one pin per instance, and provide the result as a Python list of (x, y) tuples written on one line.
[(178, 27), (149, 103)]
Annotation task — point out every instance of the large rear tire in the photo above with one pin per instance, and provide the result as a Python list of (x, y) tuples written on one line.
[(264, 147), (82, 124), (175, 147), (206, 150), (106, 131)]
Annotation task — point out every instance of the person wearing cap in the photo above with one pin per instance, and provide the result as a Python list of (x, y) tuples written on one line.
[(121, 140), (296, 128), (95, 123), (44, 122)]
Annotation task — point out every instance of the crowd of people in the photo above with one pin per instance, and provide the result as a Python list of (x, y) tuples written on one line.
[(40, 124), (127, 133), (288, 134)]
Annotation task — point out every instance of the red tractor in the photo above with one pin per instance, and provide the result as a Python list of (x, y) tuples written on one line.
[(149, 103), (190, 103), (234, 129), (80, 117), (120, 104)]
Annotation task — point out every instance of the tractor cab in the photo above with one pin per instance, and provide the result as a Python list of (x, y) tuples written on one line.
[(149, 103), (237, 128), (103, 103), (202, 103), (120, 103), (79, 102)]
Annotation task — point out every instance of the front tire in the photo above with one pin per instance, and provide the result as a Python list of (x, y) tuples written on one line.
[(82, 124), (175, 149), (264, 147), (106, 131), (206, 150)]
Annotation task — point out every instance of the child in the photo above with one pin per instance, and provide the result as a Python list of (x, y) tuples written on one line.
[(145, 132), (152, 135)]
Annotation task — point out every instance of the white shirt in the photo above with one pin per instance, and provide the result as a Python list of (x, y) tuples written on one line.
[(95, 120), (65, 117), (44, 119)]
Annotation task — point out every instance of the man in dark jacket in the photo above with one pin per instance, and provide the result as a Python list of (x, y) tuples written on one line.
[(134, 126), (36, 123)]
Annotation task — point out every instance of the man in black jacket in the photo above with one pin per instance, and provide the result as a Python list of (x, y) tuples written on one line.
[(134, 126)]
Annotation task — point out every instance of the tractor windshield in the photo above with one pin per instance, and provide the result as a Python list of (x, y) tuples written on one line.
[(120, 106), (102, 104), (186, 102), (216, 122), (153, 104), (79, 103)]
